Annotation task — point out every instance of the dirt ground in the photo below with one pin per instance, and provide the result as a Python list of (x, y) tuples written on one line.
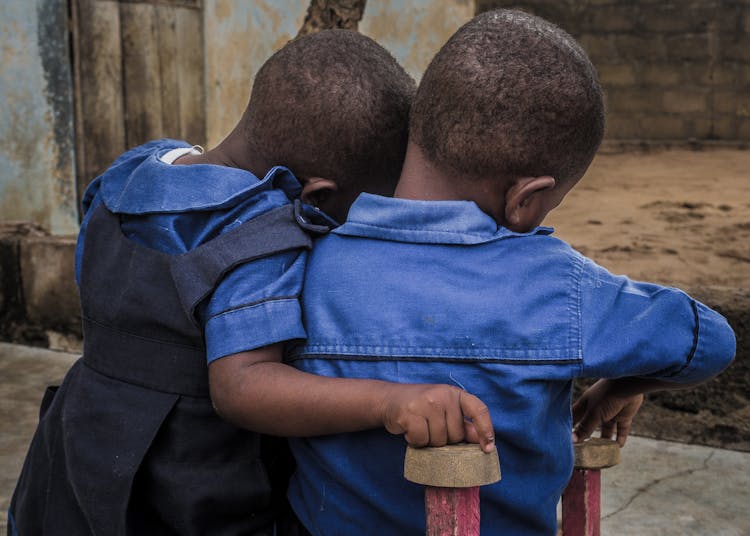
[(679, 218)]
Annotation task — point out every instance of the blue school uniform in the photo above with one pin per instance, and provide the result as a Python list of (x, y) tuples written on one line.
[(177, 266), (436, 292)]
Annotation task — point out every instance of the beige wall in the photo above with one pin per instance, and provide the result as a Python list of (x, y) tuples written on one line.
[(671, 70), (414, 30), (241, 35)]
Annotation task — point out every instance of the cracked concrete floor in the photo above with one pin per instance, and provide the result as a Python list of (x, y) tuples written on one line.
[(659, 489), (663, 488)]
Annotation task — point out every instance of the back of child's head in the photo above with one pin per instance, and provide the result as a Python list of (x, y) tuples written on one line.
[(334, 104), (509, 95)]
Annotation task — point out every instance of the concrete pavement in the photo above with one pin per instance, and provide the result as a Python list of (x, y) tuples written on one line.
[(662, 488), (24, 373), (659, 489)]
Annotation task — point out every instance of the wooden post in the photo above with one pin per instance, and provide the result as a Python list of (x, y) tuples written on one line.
[(452, 476), (581, 501), (328, 14)]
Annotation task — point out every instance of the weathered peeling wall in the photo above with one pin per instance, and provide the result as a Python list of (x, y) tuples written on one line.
[(37, 179), (414, 30), (241, 35)]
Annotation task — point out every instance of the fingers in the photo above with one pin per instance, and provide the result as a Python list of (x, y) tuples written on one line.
[(623, 429), (438, 430), (417, 432), (579, 409), (481, 421), (431, 417), (454, 420), (608, 429), (586, 426), (435, 416), (443, 415)]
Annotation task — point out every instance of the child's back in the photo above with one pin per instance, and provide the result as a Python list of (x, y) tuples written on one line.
[(512, 318), (182, 267), (433, 288)]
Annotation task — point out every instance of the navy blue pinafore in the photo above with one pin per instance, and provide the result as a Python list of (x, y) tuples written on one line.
[(130, 444)]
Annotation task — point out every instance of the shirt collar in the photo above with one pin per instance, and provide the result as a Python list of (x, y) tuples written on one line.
[(140, 183), (439, 222)]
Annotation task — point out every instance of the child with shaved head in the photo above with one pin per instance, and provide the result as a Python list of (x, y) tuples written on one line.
[(454, 281), (190, 266)]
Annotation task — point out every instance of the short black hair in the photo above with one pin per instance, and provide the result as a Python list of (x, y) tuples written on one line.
[(333, 104), (509, 95)]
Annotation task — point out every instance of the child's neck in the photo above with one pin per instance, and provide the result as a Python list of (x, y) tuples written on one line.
[(231, 152), (420, 179)]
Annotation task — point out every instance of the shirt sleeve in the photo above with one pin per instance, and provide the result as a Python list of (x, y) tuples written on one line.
[(255, 305), (631, 328)]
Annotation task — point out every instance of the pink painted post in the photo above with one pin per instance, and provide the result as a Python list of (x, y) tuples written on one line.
[(452, 476), (452, 511), (581, 501)]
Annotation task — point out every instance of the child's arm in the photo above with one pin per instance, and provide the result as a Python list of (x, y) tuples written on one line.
[(255, 390), (647, 336), (611, 404)]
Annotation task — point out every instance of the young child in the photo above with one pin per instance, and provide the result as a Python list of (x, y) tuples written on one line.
[(187, 259), (454, 281)]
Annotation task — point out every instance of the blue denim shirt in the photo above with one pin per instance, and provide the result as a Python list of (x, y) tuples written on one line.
[(174, 208), (436, 292)]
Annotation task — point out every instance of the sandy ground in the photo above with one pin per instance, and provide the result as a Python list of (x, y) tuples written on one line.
[(679, 218), (675, 217)]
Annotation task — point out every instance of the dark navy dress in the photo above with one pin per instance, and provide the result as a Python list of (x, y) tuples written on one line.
[(130, 443)]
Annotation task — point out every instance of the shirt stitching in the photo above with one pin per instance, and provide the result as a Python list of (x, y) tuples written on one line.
[(541, 230), (579, 307), (694, 346), (471, 359), (254, 304), (421, 230), (446, 347)]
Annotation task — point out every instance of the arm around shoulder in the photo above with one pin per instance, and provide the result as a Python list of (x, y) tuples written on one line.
[(255, 390)]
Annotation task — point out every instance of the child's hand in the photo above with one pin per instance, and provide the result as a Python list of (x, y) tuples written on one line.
[(434, 415), (601, 405)]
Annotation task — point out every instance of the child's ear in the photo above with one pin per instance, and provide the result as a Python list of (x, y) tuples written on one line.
[(524, 208), (316, 190)]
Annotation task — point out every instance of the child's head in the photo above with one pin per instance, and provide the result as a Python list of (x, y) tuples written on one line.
[(334, 106), (509, 96)]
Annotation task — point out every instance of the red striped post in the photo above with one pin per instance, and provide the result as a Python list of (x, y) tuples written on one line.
[(452, 476), (581, 501)]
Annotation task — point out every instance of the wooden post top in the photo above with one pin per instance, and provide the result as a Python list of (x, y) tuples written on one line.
[(596, 453), (463, 465)]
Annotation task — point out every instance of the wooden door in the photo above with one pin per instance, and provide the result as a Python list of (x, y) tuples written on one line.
[(138, 76)]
